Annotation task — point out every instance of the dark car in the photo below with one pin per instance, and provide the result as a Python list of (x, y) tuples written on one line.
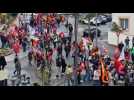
[(103, 19), (109, 18), (92, 32)]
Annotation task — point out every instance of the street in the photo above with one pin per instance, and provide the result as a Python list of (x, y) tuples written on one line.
[(30, 70), (40, 54)]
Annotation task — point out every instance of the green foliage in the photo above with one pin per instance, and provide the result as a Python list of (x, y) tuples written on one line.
[(7, 18), (116, 28)]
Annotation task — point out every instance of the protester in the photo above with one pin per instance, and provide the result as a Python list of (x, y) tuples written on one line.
[(63, 65), (67, 49), (132, 54), (39, 35), (24, 44), (30, 57), (69, 72), (58, 64), (133, 41), (3, 62), (127, 42), (120, 46), (17, 66)]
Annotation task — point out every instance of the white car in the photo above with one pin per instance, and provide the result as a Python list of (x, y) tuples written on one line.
[(83, 20), (95, 20)]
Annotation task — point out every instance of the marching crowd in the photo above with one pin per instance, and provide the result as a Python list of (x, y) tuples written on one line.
[(38, 35)]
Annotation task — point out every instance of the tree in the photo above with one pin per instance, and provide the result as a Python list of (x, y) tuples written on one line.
[(116, 28)]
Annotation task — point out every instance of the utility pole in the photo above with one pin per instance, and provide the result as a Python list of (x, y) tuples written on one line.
[(76, 33), (76, 15), (96, 30)]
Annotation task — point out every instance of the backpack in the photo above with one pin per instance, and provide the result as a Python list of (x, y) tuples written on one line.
[(69, 72)]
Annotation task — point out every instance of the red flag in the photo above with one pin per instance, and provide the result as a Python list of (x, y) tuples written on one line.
[(16, 48), (119, 66), (116, 53)]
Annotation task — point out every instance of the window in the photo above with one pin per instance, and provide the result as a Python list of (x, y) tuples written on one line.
[(124, 24)]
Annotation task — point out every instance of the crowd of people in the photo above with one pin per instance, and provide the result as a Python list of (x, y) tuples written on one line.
[(38, 34)]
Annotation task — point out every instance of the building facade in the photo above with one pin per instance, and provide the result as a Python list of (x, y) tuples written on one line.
[(126, 22)]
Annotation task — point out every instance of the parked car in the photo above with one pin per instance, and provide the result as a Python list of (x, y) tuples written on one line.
[(92, 32), (83, 20), (95, 20), (109, 18), (103, 19)]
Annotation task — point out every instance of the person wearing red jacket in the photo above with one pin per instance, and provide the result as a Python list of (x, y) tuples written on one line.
[(116, 53), (16, 47), (120, 68)]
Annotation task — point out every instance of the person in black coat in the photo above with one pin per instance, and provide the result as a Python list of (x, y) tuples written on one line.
[(3, 40), (67, 49), (59, 49), (120, 46), (127, 42), (24, 44), (63, 65), (3, 62), (133, 41), (58, 62)]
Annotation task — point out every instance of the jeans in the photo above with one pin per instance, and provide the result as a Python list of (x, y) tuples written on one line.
[(88, 76), (69, 82), (24, 49), (54, 44), (18, 72), (63, 69), (3, 44), (83, 77)]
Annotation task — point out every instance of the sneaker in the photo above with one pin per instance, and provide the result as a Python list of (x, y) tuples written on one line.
[(81, 81)]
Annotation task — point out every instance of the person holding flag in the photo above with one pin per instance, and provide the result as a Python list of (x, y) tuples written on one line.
[(104, 76), (119, 66)]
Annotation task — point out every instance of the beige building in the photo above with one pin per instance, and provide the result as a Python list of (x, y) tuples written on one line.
[(126, 21)]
